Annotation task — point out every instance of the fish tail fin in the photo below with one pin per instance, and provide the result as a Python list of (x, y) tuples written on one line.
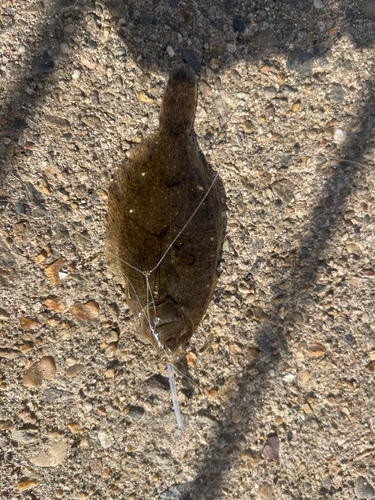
[(179, 102)]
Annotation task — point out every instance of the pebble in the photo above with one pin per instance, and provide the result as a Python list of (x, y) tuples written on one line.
[(304, 377), (86, 313), (316, 350), (73, 370), (92, 122), (55, 304), (45, 369), (352, 248), (318, 4), (5, 425), (53, 271), (105, 439), (27, 324), (110, 350), (119, 51), (27, 484), (368, 9), (221, 106), (236, 416), (271, 448), (249, 127), (136, 412), (339, 136), (253, 354), (191, 359), (264, 492), (340, 183), (270, 92), (363, 489), (56, 121), (238, 25), (25, 435), (54, 456), (337, 93), (170, 51)]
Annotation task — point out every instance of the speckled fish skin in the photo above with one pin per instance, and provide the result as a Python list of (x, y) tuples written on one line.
[(150, 200)]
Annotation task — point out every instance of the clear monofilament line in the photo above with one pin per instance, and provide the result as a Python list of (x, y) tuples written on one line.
[(186, 224), (176, 407)]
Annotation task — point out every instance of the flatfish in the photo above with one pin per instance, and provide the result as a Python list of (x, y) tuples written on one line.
[(165, 226)]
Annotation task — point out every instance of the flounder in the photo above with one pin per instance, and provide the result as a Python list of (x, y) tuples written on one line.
[(165, 226)]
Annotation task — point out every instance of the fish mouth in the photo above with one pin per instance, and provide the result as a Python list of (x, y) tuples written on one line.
[(168, 327)]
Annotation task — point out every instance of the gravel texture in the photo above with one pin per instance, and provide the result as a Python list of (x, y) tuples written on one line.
[(285, 358)]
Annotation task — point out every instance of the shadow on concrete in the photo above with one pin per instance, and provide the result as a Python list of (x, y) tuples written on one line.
[(218, 35)]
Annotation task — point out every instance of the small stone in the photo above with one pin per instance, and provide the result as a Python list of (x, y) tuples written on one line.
[(86, 313), (284, 189), (297, 318), (288, 91), (352, 248), (238, 25), (143, 97), (236, 416), (259, 314), (279, 421), (87, 61), (271, 448), (253, 354), (371, 367), (318, 4), (136, 412), (368, 272), (52, 271), (363, 489), (368, 9), (110, 350), (264, 492), (270, 92), (45, 369), (249, 127), (329, 201), (191, 359), (222, 106), (339, 136), (316, 350), (57, 122), (26, 435), (84, 443), (90, 23), (105, 439), (92, 122), (304, 377), (110, 373), (73, 370), (55, 304), (53, 457), (337, 93), (5, 425), (27, 324), (119, 51), (296, 106), (212, 393), (27, 484), (340, 183), (170, 51), (75, 428)]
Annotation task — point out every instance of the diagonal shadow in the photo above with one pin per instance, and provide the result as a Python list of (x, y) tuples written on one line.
[(256, 30), (33, 77)]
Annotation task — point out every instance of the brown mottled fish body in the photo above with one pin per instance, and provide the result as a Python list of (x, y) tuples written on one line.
[(150, 200)]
